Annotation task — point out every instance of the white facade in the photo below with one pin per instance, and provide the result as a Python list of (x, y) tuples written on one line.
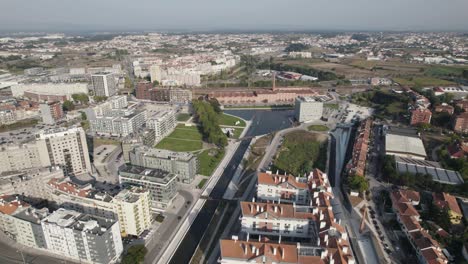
[(66, 89), (163, 123), (7, 117), (20, 157), (66, 147), (308, 109), (280, 220), (32, 182), (104, 84), (282, 188), (82, 237)]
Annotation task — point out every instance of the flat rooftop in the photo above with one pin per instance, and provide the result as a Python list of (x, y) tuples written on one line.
[(434, 169), (78, 221), (164, 154), (146, 174), (397, 143)]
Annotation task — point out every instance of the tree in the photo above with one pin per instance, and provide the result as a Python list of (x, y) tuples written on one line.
[(465, 74), (99, 99), (128, 83), (155, 83), (296, 47), (358, 183), (68, 106), (82, 98), (135, 254)]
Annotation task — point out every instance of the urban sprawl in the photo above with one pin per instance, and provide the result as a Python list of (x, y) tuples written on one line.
[(234, 148)]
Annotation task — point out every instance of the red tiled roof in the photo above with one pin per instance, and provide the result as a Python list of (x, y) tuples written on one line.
[(275, 179)]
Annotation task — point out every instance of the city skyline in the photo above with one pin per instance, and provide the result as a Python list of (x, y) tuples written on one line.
[(209, 15)]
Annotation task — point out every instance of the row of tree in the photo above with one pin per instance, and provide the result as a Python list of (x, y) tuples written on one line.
[(207, 115)]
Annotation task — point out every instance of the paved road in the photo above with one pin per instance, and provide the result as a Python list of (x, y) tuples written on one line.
[(170, 223)]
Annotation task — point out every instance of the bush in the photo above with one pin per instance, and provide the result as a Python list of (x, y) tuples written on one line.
[(358, 183), (135, 254)]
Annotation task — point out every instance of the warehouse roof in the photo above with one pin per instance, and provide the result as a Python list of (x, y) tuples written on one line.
[(404, 145)]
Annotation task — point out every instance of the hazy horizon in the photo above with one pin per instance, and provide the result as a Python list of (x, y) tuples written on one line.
[(239, 15)]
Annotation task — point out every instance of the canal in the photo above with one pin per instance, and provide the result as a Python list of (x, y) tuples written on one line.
[(263, 122)]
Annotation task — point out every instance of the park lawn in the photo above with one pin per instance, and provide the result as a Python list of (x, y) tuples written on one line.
[(186, 133), (208, 160), (422, 81), (202, 183), (175, 144), (237, 132), (331, 106), (183, 117), (228, 120), (319, 128)]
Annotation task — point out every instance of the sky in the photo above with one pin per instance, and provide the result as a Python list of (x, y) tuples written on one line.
[(207, 15)]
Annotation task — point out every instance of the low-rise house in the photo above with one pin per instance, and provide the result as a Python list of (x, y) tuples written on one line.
[(461, 123), (420, 116), (444, 108), (428, 250), (445, 201), (282, 188), (279, 220)]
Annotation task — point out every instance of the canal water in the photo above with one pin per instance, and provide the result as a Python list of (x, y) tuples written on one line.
[(263, 122)]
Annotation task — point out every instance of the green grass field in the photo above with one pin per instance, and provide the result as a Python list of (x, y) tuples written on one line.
[(422, 81), (183, 138), (179, 144), (227, 120), (183, 117), (186, 133), (208, 160), (202, 183), (319, 128)]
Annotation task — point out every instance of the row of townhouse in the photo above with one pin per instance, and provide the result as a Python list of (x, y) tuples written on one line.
[(360, 149), (428, 250), (295, 210)]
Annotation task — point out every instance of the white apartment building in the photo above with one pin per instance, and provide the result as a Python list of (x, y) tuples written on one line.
[(161, 184), (162, 122), (300, 54), (131, 206), (174, 77), (119, 123), (308, 109), (284, 220), (66, 89), (183, 164), (21, 222), (82, 237), (114, 102), (20, 157), (7, 117), (66, 147), (104, 84), (282, 188), (32, 182)]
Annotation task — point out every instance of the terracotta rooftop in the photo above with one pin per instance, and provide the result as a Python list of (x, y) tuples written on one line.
[(277, 210), (445, 200), (9, 204), (276, 179)]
